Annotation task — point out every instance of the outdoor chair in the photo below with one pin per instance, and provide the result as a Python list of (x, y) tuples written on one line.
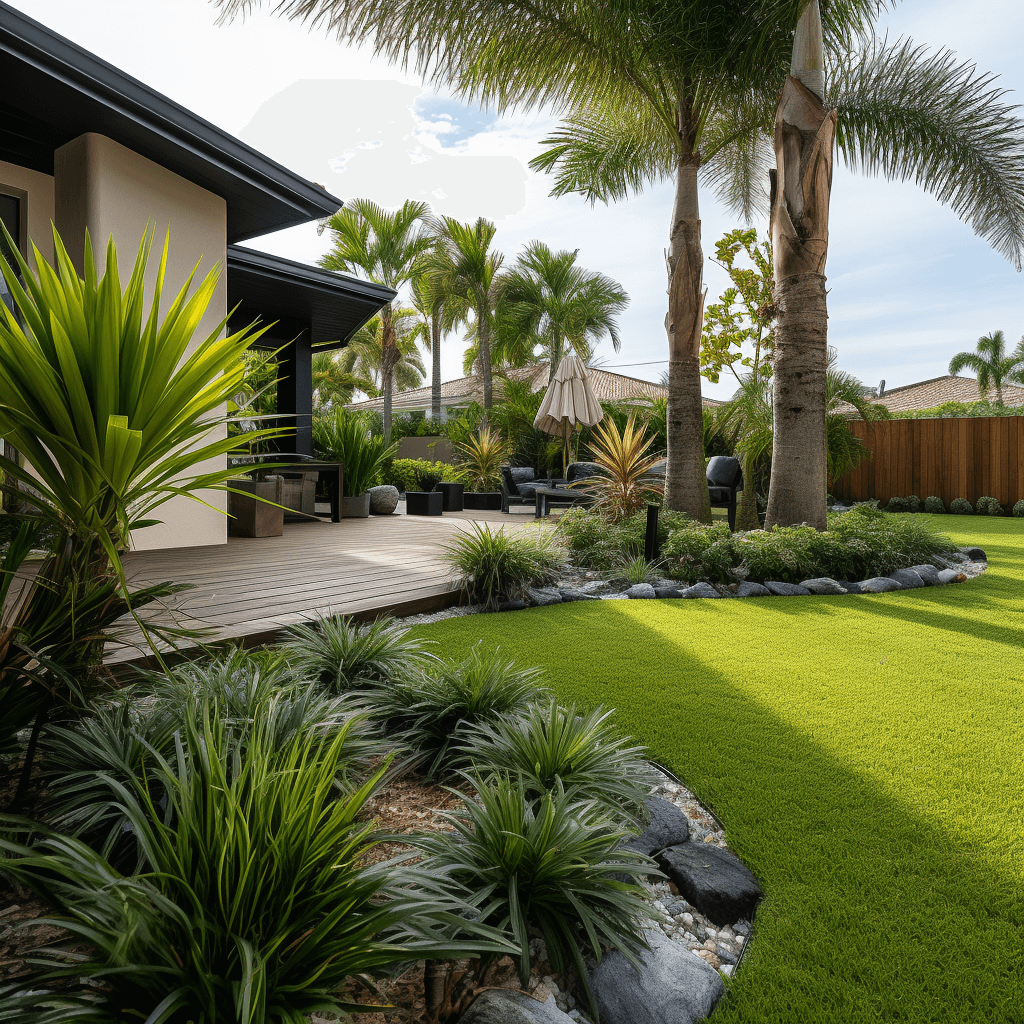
[(725, 478), (519, 486), (577, 471)]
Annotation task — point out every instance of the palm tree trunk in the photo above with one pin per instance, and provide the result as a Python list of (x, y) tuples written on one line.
[(801, 187), (746, 507), (435, 354), (388, 361), (555, 356), (685, 482), (484, 333)]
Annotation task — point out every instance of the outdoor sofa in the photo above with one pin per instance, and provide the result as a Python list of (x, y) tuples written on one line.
[(519, 483)]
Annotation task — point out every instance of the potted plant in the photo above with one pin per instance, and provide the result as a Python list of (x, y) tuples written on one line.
[(482, 457), (426, 501), (345, 437)]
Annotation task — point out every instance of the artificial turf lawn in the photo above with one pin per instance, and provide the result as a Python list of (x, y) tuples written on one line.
[(866, 756)]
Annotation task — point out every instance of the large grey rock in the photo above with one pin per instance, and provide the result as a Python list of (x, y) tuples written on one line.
[(908, 579), (542, 596), (879, 585), (950, 576), (515, 604), (508, 1006), (823, 585), (750, 589), (700, 590), (928, 573), (850, 588), (641, 592), (672, 985), (975, 555), (786, 589), (569, 594), (592, 587), (383, 499), (666, 590), (667, 826), (714, 880)]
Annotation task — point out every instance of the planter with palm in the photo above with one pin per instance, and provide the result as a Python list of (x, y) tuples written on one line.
[(481, 457), (345, 437), (991, 364)]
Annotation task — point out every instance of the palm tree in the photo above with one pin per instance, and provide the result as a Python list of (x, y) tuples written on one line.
[(440, 311), (546, 300), (466, 269), (991, 363), (364, 356), (383, 246), (687, 90), (333, 385)]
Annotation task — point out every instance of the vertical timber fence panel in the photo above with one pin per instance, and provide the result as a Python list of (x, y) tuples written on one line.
[(951, 458)]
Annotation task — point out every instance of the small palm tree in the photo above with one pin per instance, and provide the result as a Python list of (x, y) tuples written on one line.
[(364, 356), (383, 246), (333, 385), (546, 300), (992, 364)]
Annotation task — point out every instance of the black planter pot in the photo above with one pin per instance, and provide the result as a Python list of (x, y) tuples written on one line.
[(423, 503), (452, 495), (482, 501)]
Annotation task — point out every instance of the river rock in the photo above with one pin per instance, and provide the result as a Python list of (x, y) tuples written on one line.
[(672, 985), (879, 585), (822, 585), (383, 499), (667, 825), (515, 604), (714, 880), (928, 573), (786, 589), (750, 589), (542, 596), (950, 576), (908, 579), (850, 588), (700, 590), (641, 592), (667, 590), (975, 555), (508, 1006), (569, 594)]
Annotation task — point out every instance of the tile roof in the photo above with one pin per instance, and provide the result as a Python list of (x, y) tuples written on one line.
[(927, 394)]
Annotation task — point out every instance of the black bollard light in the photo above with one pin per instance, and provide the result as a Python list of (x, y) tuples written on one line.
[(651, 540)]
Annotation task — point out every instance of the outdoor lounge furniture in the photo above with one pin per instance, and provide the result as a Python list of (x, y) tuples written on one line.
[(332, 472), (519, 486), (725, 478), (548, 497)]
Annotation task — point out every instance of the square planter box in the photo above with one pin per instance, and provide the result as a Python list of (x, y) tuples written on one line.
[(424, 503), (251, 517), (482, 501), (357, 507), (452, 496)]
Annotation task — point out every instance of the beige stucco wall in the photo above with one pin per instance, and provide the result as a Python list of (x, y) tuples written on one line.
[(36, 191), (112, 191)]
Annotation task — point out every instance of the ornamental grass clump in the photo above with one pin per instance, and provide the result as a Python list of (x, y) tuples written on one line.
[(554, 865), (497, 566), (635, 570), (341, 655), (550, 746)]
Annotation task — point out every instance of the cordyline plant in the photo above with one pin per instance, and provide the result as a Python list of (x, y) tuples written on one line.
[(623, 487)]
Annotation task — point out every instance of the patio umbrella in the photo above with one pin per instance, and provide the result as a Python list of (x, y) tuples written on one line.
[(570, 401)]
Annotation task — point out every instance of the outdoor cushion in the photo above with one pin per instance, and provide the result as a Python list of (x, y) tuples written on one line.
[(724, 471), (516, 475), (581, 470), (720, 493)]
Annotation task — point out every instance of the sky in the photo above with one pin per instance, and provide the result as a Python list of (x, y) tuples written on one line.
[(910, 285)]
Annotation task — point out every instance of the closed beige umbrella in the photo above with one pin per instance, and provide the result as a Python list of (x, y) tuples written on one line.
[(570, 401)]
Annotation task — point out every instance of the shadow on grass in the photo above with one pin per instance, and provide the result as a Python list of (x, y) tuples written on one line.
[(874, 911)]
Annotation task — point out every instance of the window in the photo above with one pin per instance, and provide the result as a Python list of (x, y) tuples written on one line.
[(10, 214)]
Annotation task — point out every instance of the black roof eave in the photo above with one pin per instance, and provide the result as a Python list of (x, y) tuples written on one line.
[(70, 91)]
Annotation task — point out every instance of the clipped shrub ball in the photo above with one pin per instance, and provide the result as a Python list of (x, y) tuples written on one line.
[(934, 505), (898, 505), (961, 507), (913, 503), (989, 506), (1018, 509)]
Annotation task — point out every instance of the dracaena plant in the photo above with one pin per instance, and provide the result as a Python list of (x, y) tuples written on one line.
[(108, 404), (482, 455), (624, 486)]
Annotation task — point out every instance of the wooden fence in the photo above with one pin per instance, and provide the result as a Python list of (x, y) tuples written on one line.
[(951, 458)]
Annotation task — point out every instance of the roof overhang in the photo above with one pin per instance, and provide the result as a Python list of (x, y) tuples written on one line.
[(54, 91), (270, 288)]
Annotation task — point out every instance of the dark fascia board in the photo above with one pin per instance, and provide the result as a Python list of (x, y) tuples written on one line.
[(333, 306), (73, 92)]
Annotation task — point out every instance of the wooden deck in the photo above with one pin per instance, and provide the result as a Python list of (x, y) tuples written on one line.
[(251, 589)]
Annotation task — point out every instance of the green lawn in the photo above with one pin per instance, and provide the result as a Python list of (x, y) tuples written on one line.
[(866, 755)]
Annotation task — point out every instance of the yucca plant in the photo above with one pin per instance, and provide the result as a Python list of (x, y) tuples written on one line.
[(435, 713), (482, 456), (623, 486), (258, 904), (553, 865), (343, 436), (549, 745), (340, 655), (496, 566)]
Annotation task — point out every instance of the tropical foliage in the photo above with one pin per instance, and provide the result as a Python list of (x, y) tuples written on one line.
[(363, 356), (624, 485), (341, 436), (482, 456), (992, 364)]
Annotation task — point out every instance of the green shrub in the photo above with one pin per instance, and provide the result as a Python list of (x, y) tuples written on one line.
[(405, 473), (1018, 508), (934, 505), (914, 503), (343, 436), (898, 505), (987, 506), (434, 714), (961, 507), (496, 566), (554, 865), (551, 745), (342, 656), (597, 543), (259, 903), (686, 549)]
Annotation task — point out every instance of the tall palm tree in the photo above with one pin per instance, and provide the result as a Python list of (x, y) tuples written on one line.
[(440, 312), (547, 301), (992, 364), (466, 269), (686, 90), (364, 357), (383, 246)]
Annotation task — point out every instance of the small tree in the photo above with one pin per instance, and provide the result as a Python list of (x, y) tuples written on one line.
[(992, 364)]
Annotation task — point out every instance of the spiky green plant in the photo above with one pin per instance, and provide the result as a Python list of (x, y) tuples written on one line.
[(624, 486), (344, 436), (482, 455), (635, 569)]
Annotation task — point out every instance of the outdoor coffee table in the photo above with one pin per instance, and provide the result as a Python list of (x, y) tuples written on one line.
[(547, 497)]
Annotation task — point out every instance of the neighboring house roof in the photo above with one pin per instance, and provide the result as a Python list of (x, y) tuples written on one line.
[(927, 394), (54, 91), (333, 306), (609, 387)]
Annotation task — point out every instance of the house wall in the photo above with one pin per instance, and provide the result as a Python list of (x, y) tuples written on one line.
[(35, 190), (106, 188)]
